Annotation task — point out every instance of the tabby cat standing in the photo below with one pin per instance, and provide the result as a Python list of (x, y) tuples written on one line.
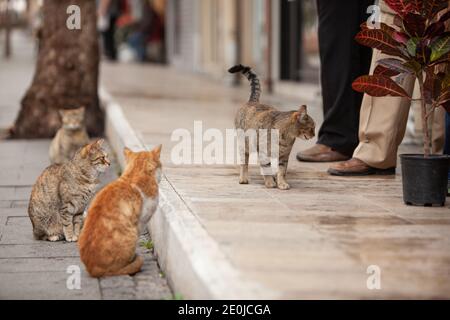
[(290, 125)]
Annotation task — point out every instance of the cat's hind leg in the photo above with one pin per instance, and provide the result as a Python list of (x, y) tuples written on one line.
[(130, 269), (243, 157), (67, 222), (78, 224), (39, 234), (243, 174)]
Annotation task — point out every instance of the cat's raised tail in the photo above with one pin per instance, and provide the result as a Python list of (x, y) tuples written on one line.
[(252, 77)]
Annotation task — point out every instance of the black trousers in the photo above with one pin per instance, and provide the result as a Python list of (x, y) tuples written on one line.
[(342, 61), (109, 41)]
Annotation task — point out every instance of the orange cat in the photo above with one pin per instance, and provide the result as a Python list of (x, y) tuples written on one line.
[(108, 239)]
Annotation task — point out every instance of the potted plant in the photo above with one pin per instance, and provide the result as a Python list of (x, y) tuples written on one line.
[(419, 46)]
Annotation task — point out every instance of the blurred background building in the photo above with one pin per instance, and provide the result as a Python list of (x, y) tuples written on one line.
[(278, 38)]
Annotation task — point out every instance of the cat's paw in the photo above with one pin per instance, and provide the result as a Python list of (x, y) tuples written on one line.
[(54, 238), (270, 182), (72, 239), (243, 181), (283, 185)]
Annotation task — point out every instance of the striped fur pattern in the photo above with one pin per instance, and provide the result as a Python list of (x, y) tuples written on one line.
[(62, 192), (290, 125), (255, 92)]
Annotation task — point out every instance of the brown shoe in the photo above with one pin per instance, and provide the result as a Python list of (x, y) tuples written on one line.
[(356, 167), (320, 153)]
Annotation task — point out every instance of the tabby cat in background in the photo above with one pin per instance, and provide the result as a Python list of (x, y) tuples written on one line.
[(255, 115), (70, 137), (116, 215), (62, 192)]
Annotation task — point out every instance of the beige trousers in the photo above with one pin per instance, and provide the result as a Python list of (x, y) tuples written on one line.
[(383, 119)]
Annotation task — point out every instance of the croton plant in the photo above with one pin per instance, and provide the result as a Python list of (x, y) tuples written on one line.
[(418, 44)]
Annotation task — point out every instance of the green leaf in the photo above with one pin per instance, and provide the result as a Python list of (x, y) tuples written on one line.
[(440, 47), (413, 65), (411, 46)]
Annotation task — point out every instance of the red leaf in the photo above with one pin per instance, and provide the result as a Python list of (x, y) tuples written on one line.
[(416, 5), (379, 86), (383, 71), (364, 26), (398, 21), (435, 29), (395, 64), (432, 7), (445, 16), (399, 6), (432, 85), (400, 37), (414, 24), (379, 39), (444, 97), (388, 29)]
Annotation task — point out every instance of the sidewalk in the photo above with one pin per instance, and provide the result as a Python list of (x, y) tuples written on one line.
[(316, 240), (31, 269)]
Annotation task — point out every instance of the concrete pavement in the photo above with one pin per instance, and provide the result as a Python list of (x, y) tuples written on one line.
[(322, 239)]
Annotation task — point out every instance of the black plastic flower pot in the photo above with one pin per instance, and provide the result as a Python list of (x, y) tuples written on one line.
[(424, 179)]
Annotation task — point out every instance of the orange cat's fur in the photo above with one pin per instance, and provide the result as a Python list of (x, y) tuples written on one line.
[(108, 240)]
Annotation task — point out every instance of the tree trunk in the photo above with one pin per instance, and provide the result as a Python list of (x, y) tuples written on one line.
[(66, 74)]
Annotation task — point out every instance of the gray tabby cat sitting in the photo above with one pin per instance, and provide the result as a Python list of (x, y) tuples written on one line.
[(70, 137), (290, 125), (62, 192)]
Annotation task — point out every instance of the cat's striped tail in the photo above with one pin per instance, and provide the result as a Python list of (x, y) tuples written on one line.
[(252, 77)]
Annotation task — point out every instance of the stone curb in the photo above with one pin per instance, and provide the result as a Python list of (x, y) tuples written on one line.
[(192, 261)]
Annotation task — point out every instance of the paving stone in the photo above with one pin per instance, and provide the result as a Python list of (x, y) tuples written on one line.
[(39, 249), (19, 204), (18, 230), (5, 204), (127, 293), (24, 265), (116, 282), (45, 285), (13, 212), (7, 193)]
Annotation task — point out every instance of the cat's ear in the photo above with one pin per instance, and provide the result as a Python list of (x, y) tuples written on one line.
[(157, 151), (61, 113), (100, 142), (295, 116), (86, 150), (127, 152), (302, 109), (302, 113)]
